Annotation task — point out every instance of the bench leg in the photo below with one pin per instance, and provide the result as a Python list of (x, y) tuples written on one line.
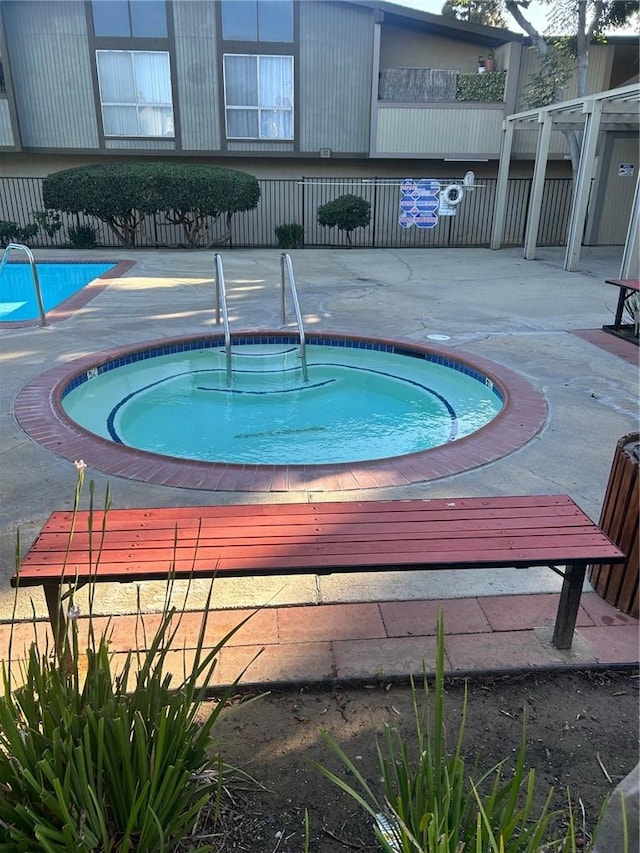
[(622, 296), (569, 603), (58, 622)]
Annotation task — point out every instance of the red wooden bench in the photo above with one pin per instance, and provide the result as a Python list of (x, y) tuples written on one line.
[(322, 538), (627, 287)]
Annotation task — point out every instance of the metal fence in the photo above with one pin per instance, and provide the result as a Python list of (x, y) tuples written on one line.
[(297, 201)]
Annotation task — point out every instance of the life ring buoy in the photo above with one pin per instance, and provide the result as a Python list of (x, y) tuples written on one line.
[(453, 195)]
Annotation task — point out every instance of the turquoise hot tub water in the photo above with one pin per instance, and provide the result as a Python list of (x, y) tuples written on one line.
[(362, 401), (58, 282)]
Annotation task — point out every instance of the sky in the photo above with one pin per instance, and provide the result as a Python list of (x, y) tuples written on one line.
[(535, 13)]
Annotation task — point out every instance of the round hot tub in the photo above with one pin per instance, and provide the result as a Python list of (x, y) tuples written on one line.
[(361, 411)]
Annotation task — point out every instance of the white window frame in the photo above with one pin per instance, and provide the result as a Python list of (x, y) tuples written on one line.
[(258, 108), (139, 104)]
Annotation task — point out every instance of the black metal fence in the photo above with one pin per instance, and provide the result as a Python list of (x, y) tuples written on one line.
[(296, 201)]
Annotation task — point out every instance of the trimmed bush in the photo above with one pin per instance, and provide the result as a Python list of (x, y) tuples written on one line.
[(346, 213), (289, 235), (122, 194)]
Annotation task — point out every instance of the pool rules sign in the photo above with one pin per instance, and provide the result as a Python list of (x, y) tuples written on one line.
[(419, 203)]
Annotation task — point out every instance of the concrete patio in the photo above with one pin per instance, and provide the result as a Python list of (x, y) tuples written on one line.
[(529, 316)]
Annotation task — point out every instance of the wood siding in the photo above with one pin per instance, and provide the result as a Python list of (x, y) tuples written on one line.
[(402, 46), (334, 76), (524, 141), (613, 192), (6, 128), (600, 57), (51, 74), (438, 132), (197, 75)]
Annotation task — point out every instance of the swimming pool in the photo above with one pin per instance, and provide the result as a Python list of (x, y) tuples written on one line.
[(362, 400), (59, 282)]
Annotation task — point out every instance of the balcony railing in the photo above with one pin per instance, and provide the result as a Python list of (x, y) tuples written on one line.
[(440, 85)]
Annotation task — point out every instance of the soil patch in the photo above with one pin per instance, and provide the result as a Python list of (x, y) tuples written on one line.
[(581, 731)]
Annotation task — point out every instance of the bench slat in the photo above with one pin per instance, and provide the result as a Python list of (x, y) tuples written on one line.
[(318, 564), (390, 540), (341, 509), (362, 531)]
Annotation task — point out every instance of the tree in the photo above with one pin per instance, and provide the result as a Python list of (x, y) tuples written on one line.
[(346, 213), (487, 12), (581, 22)]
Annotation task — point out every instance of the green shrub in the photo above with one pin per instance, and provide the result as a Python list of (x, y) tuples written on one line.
[(83, 237), (430, 802), (289, 235), (483, 88), (346, 213), (122, 194), (97, 760), (13, 232)]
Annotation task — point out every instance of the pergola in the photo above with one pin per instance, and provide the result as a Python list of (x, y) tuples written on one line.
[(617, 109)]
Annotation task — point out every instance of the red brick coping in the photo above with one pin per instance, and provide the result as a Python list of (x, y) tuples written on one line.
[(78, 299), (39, 412)]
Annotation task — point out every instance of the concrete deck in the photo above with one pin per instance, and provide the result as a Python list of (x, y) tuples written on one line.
[(531, 317)]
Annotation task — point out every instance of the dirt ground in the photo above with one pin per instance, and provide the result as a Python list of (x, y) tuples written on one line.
[(582, 734)]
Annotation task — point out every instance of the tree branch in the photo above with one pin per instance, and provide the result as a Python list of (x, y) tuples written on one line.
[(596, 19), (513, 7)]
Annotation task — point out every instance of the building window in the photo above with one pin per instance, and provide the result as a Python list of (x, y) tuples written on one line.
[(257, 20), (258, 94), (130, 18), (135, 93)]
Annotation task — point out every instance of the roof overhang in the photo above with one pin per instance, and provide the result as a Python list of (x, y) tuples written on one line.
[(443, 25)]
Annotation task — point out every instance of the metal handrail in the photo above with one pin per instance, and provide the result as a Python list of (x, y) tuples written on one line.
[(285, 263), (221, 299), (34, 273)]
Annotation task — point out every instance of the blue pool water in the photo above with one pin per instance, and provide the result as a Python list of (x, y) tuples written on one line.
[(57, 283), (359, 403)]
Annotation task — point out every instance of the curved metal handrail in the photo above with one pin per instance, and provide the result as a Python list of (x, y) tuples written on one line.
[(221, 300), (285, 264), (34, 273)]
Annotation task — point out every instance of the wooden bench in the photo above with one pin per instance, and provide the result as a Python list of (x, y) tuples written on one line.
[(627, 287), (322, 538)]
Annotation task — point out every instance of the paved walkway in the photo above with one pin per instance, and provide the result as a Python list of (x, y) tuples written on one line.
[(530, 317), (373, 641)]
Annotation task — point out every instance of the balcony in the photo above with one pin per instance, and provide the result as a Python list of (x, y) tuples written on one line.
[(439, 113)]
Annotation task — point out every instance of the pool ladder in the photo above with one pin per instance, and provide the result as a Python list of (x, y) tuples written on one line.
[(34, 273), (286, 274)]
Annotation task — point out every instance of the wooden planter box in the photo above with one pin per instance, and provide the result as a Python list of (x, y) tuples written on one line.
[(619, 520)]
